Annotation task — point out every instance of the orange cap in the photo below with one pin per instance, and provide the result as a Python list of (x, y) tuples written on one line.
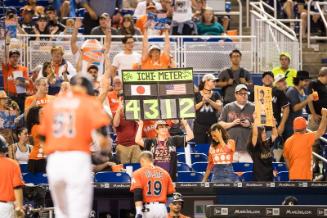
[(299, 123)]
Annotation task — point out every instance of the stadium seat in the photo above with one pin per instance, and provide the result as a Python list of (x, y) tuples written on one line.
[(183, 167), (180, 149), (195, 157), (189, 177), (36, 178), (279, 166), (247, 176), (199, 166), (135, 166), (112, 177), (23, 168), (242, 167), (202, 148), (282, 176)]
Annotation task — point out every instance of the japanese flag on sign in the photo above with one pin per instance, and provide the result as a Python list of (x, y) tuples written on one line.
[(140, 90)]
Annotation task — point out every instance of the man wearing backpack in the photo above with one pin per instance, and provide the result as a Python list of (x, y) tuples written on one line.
[(233, 76)]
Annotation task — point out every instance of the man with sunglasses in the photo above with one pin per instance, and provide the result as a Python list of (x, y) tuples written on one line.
[(176, 206), (237, 118)]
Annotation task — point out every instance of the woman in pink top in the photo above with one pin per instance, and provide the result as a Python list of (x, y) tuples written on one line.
[(221, 154)]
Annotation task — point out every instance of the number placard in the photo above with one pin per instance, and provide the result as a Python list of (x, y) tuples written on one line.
[(186, 108), (132, 109), (168, 108), (151, 109)]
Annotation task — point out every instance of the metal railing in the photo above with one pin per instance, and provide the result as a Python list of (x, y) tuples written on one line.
[(273, 9), (322, 15), (272, 38), (203, 53)]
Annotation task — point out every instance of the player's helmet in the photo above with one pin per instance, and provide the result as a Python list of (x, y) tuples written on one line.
[(178, 197), (83, 82), (3, 145)]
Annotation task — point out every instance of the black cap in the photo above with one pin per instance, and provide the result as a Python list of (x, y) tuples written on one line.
[(267, 73), (12, 52), (50, 8), (303, 75)]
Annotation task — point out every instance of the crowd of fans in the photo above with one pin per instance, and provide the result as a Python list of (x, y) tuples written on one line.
[(224, 119)]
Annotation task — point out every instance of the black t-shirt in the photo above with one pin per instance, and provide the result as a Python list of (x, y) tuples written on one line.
[(279, 101), (53, 24), (262, 161), (164, 153), (317, 86), (206, 115)]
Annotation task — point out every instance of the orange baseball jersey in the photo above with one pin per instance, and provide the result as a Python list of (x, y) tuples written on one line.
[(35, 152), (10, 178), (69, 122), (155, 183), (220, 155)]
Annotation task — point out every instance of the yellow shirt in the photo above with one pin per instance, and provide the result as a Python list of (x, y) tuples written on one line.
[(290, 73)]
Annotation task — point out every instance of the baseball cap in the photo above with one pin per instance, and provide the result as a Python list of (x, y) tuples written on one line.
[(239, 87), (3, 94), (104, 15), (3, 145), (50, 8), (177, 197), (286, 54), (14, 51), (299, 123), (154, 47), (303, 75), (279, 78), (160, 122), (267, 73), (42, 17), (209, 76)]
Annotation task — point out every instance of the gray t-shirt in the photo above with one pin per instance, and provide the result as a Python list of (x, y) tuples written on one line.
[(294, 98), (225, 75), (238, 133), (98, 31)]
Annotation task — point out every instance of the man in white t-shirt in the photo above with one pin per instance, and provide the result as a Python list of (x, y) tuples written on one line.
[(92, 52), (125, 59), (141, 8)]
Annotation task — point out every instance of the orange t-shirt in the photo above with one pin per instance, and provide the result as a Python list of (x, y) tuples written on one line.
[(69, 122), (149, 130), (113, 101), (220, 155), (163, 63), (179, 216), (10, 178), (155, 183), (9, 76), (298, 152), (36, 144), (141, 22), (39, 102)]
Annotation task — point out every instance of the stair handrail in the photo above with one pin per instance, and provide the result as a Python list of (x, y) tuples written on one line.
[(318, 4)]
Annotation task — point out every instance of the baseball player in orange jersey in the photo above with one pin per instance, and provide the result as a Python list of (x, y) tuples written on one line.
[(11, 184), (151, 186), (70, 123)]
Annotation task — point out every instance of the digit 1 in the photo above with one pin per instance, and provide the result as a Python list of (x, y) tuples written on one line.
[(168, 109)]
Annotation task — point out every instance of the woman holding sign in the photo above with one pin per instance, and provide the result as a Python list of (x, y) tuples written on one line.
[(164, 146)]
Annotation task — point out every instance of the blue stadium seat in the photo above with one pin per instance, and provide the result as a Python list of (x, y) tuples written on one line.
[(35, 178), (189, 177), (195, 157), (247, 176), (280, 166), (202, 148), (135, 166), (199, 166), (180, 149), (183, 167), (112, 177), (23, 168), (282, 176), (242, 167)]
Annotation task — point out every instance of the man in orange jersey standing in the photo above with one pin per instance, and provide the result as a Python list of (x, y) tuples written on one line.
[(11, 183), (151, 186), (68, 129), (298, 148)]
